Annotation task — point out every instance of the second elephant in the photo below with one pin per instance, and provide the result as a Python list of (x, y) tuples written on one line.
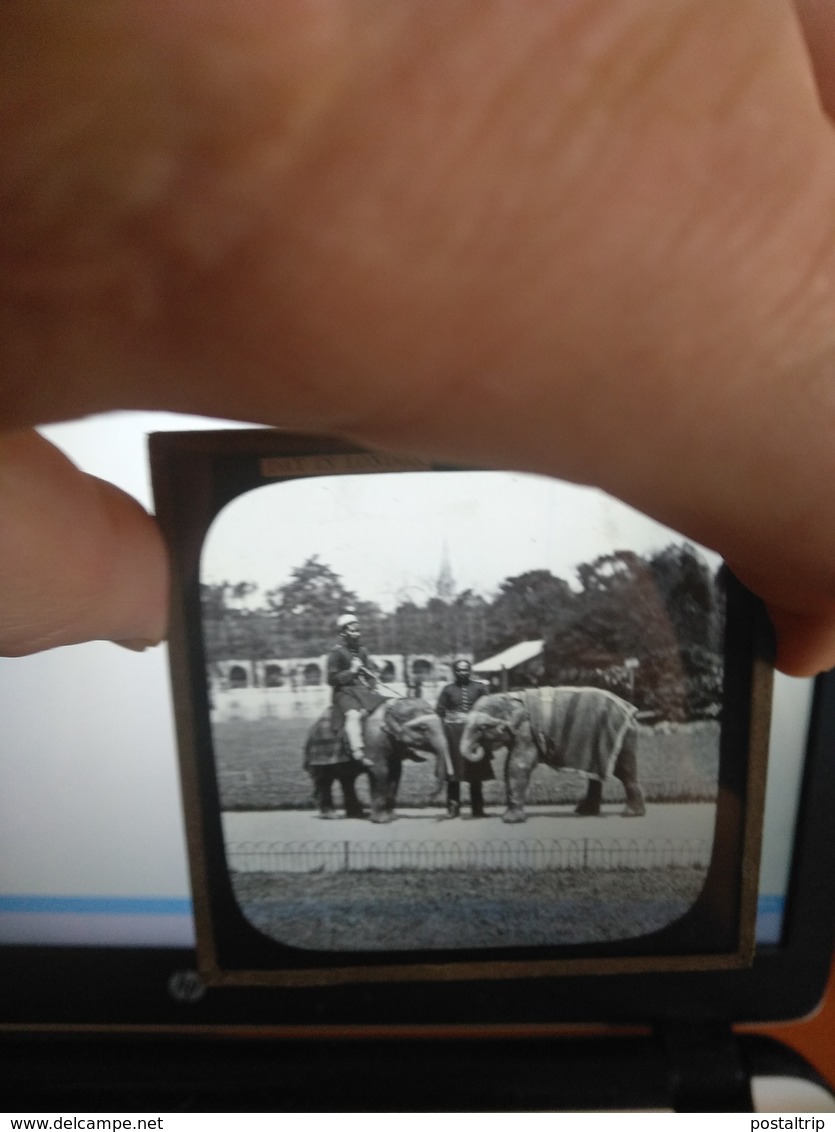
[(584, 729)]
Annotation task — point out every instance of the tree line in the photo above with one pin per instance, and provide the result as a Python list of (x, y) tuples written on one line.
[(647, 627)]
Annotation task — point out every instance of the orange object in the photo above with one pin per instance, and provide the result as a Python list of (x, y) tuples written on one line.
[(813, 1037)]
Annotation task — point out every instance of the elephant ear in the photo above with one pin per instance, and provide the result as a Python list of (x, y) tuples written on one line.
[(519, 712), (397, 715), (506, 706)]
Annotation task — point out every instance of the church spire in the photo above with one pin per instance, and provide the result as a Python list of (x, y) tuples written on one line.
[(446, 583)]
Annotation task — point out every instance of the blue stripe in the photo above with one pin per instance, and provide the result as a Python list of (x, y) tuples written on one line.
[(770, 905), (98, 905), (770, 909), (767, 905)]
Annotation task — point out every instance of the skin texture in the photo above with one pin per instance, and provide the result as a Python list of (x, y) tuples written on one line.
[(586, 238)]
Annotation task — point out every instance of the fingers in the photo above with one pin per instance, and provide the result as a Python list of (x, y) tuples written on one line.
[(818, 21), (806, 641), (591, 240), (325, 216), (79, 559)]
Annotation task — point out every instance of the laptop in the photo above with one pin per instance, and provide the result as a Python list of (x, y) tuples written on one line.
[(108, 1001)]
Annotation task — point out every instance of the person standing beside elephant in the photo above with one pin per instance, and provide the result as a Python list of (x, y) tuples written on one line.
[(353, 677), (454, 703)]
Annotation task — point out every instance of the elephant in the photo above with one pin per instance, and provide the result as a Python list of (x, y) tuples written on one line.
[(584, 729), (393, 731), (327, 761)]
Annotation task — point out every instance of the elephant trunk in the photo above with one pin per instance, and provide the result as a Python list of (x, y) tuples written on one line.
[(470, 745), (443, 761)]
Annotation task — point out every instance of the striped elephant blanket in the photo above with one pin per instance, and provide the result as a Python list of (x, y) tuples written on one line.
[(578, 728)]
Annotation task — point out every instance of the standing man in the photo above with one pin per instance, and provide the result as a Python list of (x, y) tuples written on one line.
[(454, 702), (353, 677)]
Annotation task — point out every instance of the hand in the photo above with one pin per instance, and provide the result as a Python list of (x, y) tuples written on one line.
[(580, 237)]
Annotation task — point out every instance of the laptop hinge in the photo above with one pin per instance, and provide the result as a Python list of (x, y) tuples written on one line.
[(705, 1067)]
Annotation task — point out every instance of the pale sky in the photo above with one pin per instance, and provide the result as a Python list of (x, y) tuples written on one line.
[(386, 535)]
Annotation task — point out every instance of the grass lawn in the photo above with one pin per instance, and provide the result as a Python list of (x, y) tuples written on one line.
[(399, 911), (259, 765)]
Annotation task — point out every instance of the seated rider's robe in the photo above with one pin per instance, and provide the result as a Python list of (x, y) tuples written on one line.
[(350, 689)]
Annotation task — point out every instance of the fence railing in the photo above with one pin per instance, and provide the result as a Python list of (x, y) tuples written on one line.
[(555, 853)]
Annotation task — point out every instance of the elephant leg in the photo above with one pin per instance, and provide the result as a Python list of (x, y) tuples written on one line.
[(626, 769), (590, 805), (393, 783), (323, 790), (379, 787), (476, 800), (382, 794), (384, 771), (453, 799), (353, 806), (518, 769)]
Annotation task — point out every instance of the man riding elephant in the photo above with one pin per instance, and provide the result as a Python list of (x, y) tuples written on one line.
[(392, 733), (353, 677), (585, 729)]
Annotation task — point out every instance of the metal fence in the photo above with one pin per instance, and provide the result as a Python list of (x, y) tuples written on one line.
[(555, 853)]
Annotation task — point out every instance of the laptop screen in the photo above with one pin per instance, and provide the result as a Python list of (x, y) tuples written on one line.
[(93, 851)]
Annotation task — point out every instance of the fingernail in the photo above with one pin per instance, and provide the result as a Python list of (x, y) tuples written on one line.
[(138, 644)]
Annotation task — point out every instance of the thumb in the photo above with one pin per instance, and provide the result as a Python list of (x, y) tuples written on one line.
[(79, 559)]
